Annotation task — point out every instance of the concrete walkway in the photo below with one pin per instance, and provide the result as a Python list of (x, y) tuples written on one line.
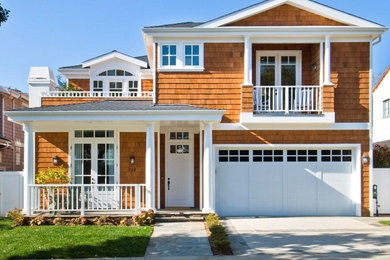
[(178, 239), (309, 237)]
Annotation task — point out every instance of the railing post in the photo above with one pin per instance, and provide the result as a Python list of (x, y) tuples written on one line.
[(137, 199), (82, 201), (286, 99)]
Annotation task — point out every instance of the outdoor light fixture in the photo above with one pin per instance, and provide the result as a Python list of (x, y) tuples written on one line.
[(366, 159), (55, 160), (314, 66), (132, 159)]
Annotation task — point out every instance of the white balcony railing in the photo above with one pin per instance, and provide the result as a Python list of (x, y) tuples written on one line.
[(287, 99), (86, 197), (103, 94)]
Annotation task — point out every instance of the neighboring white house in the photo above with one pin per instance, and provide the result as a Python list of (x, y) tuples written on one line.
[(381, 110)]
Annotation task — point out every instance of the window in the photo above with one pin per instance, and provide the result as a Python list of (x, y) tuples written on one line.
[(386, 108), (336, 155), (278, 68), (116, 73), (82, 164), (301, 155), (97, 85), (94, 133), (268, 155), (179, 149), (179, 135), (116, 86), (191, 53), (168, 55), (105, 162), (133, 86), (233, 155)]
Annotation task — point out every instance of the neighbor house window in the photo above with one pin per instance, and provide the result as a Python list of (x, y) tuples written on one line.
[(386, 108), (97, 85), (115, 86), (116, 73), (191, 53), (169, 55), (133, 86)]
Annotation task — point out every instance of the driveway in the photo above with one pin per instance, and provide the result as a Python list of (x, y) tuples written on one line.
[(309, 237)]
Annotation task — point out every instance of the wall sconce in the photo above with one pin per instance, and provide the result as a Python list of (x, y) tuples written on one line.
[(366, 159), (314, 66), (132, 159), (55, 160)]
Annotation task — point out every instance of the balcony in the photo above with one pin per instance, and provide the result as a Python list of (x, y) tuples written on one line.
[(287, 100), (98, 94)]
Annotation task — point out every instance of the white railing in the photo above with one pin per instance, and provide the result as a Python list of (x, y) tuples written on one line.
[(287, 99), (87, 197), (103, 94)]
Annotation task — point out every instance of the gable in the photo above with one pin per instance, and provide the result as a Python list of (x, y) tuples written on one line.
[(286, 15)]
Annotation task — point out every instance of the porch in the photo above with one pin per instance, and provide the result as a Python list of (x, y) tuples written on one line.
[(119, 161)]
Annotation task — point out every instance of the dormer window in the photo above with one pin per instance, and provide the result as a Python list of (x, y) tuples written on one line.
[(185, 56), (118, 81), (116, 73)]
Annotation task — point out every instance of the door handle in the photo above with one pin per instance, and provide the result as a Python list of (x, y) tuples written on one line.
[(169, 183)]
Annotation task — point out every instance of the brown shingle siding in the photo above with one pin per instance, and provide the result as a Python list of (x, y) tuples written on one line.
[(81, 84)]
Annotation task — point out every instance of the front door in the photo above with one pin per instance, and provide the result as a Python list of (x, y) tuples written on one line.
[(179, 170)]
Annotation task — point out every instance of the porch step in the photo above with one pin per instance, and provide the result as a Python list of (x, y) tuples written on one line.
[(179, 216), (178, 219)]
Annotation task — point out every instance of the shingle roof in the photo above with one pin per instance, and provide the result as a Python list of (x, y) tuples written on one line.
[(176, 25), (145, 59), (116, 105), (79, 66), (381, 79)]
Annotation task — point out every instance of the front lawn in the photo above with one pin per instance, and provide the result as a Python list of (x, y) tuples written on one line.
[(71, 241)]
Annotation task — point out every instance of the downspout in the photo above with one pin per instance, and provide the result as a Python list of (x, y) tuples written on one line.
[(371, 153)]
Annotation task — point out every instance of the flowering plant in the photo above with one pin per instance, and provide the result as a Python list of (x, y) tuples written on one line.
[(381, 156)]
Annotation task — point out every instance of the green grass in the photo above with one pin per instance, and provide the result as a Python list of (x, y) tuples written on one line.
[(71, 241), (385, 222)]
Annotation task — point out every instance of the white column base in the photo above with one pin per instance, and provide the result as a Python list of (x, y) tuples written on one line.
[(208, 210)]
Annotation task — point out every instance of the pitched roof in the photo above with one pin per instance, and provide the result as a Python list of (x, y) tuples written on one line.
[(177, 25), (381, 79), (116, 105)]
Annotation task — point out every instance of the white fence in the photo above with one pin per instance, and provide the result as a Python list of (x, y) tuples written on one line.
[(287, 99), (104, 94), (11, 191), (381, 177)]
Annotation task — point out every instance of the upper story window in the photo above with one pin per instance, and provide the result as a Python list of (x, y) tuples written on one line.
[(169, 55), (97, 85), (181, 56), (116, 73), (386, 108)]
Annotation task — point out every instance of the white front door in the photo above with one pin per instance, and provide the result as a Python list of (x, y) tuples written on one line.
[(179, 170)]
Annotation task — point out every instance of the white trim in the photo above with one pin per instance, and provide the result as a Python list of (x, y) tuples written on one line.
[(180, 56), (181, 70), (247, 61), (309, 6), (208, 184), (154, 67), (112, 55), (325, 118), (292, 126), (371, 126)]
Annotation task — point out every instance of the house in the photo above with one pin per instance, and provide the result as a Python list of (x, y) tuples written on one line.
[(381, 110), (11, 134), (264, 111)]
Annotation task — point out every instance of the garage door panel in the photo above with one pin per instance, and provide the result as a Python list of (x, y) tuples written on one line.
[(335, 190), (232, 190), (266, 193), (301, 189)]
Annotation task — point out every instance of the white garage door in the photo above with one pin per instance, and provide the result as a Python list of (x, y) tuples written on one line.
[(286, 182)]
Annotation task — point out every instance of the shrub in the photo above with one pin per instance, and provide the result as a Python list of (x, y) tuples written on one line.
[(37, 221), (59, 222), (17, 217), (53, 176), (218, 237), (124, 222), (144, 218), (381, 156)]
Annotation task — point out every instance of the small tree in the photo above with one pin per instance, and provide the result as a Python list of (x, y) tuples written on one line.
[(381, 156), (4, 13)]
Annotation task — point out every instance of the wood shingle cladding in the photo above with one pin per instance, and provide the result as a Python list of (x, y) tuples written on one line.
[(48, 145), (81, 84), (306, 137), (147, 85), (286, 15), (132, 144), (217, 87), (350, 72)]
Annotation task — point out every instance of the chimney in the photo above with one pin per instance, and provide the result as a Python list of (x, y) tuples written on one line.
[(40, 79)]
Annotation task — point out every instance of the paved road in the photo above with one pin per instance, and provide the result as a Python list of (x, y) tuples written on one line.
[(309, 237)]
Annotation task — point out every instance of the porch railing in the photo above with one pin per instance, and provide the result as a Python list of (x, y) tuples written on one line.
[(287, 99), (103, 94), (87, 197)]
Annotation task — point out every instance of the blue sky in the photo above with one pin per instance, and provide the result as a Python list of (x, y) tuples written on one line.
[(67, 32)]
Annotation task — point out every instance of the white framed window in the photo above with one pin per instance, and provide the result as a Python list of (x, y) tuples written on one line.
[(116, 86), (177, 56), (168, 55), (278, 68), (98, 85), (386, 108), (133, 86), (115, 80)]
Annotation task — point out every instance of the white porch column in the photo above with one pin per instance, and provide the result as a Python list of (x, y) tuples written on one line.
[(149, 167), (247, 61), (208, 175), (327, 67), (28, 167)]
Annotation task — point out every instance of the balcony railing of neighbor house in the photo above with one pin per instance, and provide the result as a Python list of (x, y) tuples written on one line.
[(287, 99), (87, 197), (103, 94)]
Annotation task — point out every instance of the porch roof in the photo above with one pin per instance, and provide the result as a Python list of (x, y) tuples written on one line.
[(116, 110)]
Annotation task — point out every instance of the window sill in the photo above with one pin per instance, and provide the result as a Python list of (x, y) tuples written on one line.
[(181, 69)]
